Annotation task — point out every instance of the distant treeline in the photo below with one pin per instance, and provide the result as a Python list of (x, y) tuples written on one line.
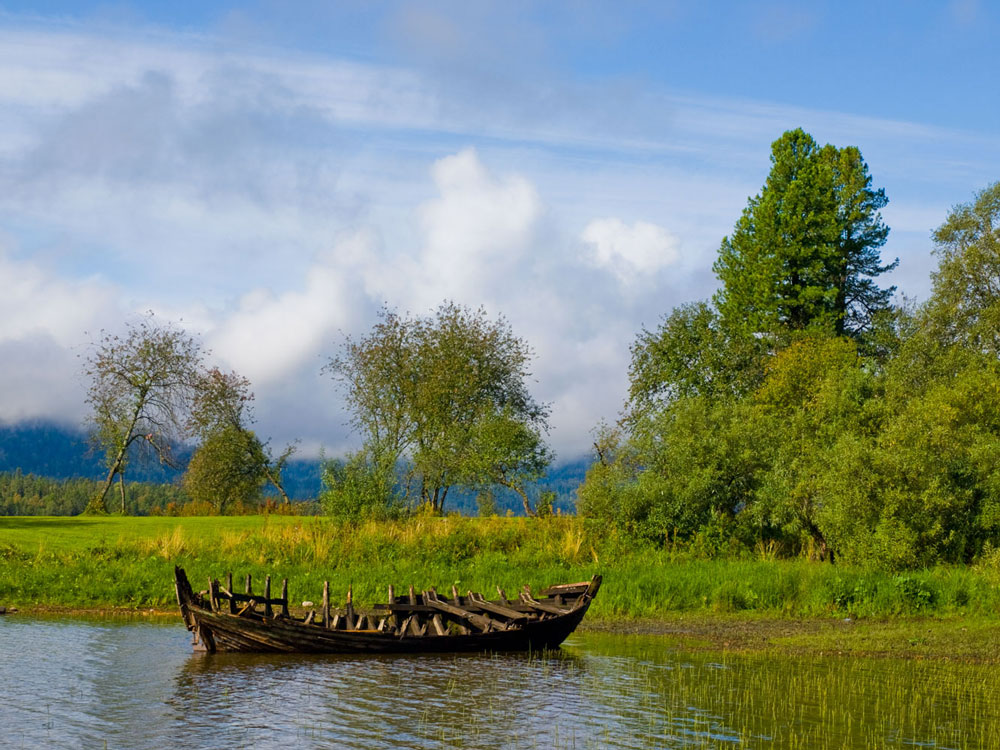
[(60, 452), (29, 495)]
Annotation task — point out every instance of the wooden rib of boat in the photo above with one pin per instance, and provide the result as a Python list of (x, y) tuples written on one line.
[(222, 620)]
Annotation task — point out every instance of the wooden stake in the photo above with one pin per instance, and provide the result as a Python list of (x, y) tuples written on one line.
[(267, 597), (229, 588), (284, 597), (349, 607), (326, 604)]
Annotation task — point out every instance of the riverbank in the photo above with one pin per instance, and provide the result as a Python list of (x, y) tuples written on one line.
[(113, 563), (973, 640)]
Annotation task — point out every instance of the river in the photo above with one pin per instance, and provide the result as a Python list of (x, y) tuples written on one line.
[(67, 683)]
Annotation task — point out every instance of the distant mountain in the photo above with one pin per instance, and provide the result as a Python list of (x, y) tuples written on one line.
[(60, 451)]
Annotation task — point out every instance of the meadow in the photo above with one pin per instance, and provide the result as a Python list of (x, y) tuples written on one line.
[(127, 562)]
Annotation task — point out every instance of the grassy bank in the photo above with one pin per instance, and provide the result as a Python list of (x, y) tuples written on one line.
[(128, 562)]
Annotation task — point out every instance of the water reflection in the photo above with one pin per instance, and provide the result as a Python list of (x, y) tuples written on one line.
[(76, 683)]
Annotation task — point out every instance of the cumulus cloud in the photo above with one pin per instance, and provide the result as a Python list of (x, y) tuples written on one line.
[(270, 337), (477, 230), (630, 252), (44, 324), (274, 201)]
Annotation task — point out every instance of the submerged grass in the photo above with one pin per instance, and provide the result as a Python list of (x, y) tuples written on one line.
[(128, 562)]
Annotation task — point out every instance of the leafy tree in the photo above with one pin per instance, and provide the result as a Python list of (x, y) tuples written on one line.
[(227, 469), (965, 303), (690, 354), (816, 393), (360, 487), (805, 252), (435, 393), (507, 452), (141, 384), (221, 413)]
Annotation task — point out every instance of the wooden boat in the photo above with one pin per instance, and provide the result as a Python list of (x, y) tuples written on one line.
[(222, 620)]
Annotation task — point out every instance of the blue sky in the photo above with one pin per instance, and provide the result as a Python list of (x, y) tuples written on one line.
[(272, 173)]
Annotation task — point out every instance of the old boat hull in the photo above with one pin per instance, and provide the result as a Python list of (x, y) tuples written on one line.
[(542, 626)]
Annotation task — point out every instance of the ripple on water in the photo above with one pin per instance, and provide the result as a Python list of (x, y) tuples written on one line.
[(78, 683)]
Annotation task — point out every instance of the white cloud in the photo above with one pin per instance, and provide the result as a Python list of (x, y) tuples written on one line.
[(630, 252), (46, 321), (478, 229), (37, 302), (155, 171), (270, 336)]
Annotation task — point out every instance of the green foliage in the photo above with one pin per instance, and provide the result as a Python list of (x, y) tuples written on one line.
[(878, 450), (231, 459), (691, 354), (360, 487), (28, 495), (805, 251), (446, 397), (226, 469), (965, 306)]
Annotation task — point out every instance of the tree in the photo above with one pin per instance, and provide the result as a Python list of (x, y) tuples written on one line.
[(140, 386), (965, 304), (507, 452), (227, 469), (221, 413), (433, 393), (359, 487), (690, 354), (805, 251)]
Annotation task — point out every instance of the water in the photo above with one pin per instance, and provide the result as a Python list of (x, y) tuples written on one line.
[(101, 683)]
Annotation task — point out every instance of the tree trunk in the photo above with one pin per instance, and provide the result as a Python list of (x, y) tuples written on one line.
[(275, 481), (524, 499), (121, 489), (98, 504)]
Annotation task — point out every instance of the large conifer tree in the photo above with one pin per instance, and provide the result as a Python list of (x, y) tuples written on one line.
[(805, 252)]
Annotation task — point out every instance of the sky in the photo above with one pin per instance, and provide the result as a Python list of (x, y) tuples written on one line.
[(269, 175)]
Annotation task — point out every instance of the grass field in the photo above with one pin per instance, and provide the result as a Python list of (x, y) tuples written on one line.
[(95, 563)]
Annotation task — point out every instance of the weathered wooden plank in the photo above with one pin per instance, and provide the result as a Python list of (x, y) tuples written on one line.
[(229, 588), (480, 621), (566, 589), (284, 597), (438, 624), (326, 604), (267, 597), (477, 600), (542, 607), (349, 609), (249, 587)]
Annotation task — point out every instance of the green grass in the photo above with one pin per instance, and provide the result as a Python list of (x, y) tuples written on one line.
[(128, 562)]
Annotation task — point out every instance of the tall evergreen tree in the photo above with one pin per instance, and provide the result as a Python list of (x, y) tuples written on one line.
[(805, 252)]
